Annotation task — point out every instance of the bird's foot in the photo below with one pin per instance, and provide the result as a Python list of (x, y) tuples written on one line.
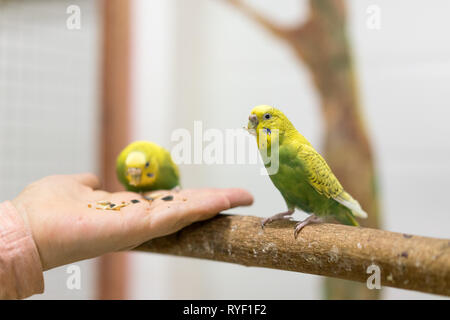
[(299, 226), (176, 189), (279, 216)]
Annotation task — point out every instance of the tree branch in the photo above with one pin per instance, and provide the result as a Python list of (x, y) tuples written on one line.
[(255, 16), (408, 262)]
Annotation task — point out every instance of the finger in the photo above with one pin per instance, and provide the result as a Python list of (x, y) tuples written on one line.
[(206, 203), (87, 179), (164, 217), (237, 197)]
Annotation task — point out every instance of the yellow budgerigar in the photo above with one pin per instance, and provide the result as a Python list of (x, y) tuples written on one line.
[(304, 179), (145, 166)]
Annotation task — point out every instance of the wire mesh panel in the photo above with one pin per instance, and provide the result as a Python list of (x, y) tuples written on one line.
[(49, 97)]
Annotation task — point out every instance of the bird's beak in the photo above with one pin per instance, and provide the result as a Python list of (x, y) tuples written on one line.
[(252, 122), (135, 176)]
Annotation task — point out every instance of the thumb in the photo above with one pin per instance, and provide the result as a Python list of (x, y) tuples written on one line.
[(87, 179)]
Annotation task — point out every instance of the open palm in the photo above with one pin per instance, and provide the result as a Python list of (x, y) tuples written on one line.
[(66, 229)]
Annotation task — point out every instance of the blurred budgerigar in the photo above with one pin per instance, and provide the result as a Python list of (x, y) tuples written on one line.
[(304, 179), (145, 166)]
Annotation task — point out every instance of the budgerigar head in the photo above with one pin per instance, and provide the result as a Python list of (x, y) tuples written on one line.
[(140, 168), (267, 118)]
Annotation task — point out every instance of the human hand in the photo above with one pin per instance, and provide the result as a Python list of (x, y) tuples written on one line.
[(65, 229)]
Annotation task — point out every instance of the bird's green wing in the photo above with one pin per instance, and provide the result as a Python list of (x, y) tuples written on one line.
[(319, 174), (325, 182)]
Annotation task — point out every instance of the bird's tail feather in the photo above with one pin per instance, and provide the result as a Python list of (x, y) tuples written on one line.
[(346, 200)]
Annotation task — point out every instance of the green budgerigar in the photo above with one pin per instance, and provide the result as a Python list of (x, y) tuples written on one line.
[(145, 166), (304, 179)]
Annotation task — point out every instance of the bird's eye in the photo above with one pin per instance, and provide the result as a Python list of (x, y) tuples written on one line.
[(147, 164), (267, 116)]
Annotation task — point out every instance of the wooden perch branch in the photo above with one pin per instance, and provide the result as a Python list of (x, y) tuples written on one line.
[(406, 261)]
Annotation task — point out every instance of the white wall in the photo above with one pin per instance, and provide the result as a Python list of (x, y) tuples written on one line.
[(202, 60)]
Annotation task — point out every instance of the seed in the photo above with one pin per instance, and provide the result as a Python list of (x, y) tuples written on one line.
[(167, 198), (89, 205), (134, 201)]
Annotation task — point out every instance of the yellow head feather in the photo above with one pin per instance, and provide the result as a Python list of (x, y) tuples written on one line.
[(135, 159), (269, 120)]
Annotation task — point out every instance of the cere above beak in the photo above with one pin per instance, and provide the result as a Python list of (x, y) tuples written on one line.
[(135, 176)]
